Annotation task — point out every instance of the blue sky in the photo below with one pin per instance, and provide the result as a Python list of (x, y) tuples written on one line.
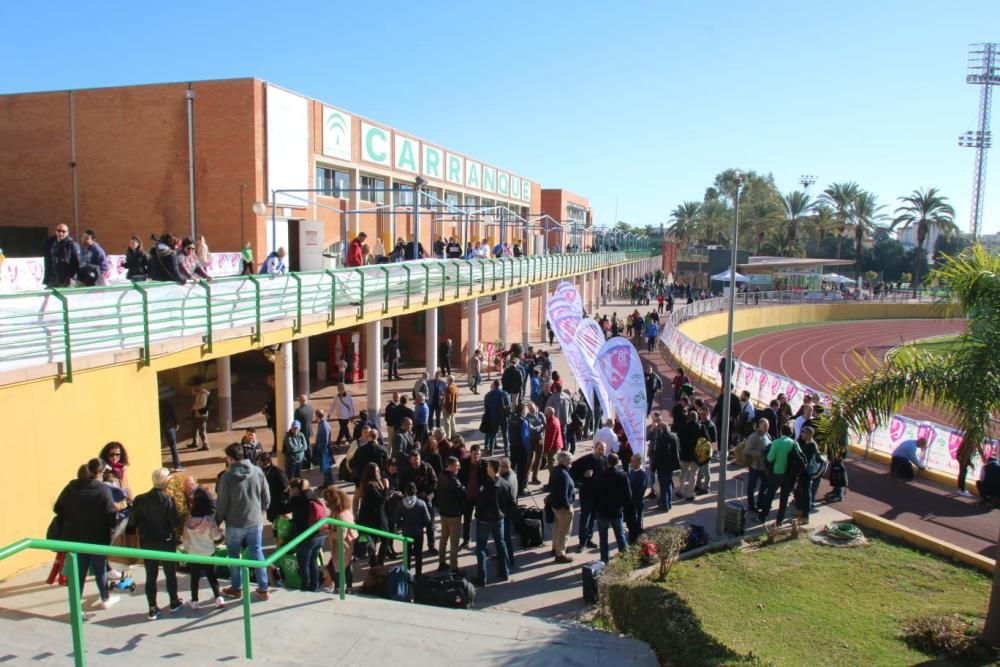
[(639, 102)]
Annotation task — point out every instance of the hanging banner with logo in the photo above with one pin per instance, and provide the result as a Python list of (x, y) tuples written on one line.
[(620, 369), (566, 291), (565, 330), (589, 339)]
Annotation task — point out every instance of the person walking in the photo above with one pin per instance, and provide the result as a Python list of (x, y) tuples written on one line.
[(168, 432), (355, 253), (437, 388), (391, 353), (496, 407), (450, 407), (85, 512), (562, 495), (199, 415), (613, 494), (94, 265), (494, 496), (244, 497), (154, 517), (654, 385), (444, 352), (200, 534), (343, 408), (475, 371), (61, 258), (651, 333)]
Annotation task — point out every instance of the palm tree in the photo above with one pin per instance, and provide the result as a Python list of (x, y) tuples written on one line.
[(927, 211), (686, 219), (840, 197), (715, 219), (821, 223), (780, 245), (864, 214), (964, 381), (797, 205), (762, 218)]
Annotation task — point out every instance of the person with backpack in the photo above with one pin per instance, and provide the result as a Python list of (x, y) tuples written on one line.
[(306, 510), (412, 518), (688, 434), (754, 448), (294, 448), (784, 459)]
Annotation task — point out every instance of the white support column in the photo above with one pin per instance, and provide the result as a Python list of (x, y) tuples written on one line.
[(473, 329), (302, 365), (373, 369), (224, 381), (431, 340), (284, 394), (502, 298), (525, 317), (544, 308)]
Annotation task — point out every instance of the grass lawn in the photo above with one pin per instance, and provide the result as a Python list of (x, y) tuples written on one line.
[(795, 603), (719, 342), (934, 345)]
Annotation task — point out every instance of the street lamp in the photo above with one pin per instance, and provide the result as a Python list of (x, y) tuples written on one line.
[(727, 375)]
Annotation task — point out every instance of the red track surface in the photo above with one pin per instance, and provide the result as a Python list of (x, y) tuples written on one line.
[(821, 356)]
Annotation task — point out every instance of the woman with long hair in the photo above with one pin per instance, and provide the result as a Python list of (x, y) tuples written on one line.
[(374, 492), (114, 456), (340, 508), (136, 262)]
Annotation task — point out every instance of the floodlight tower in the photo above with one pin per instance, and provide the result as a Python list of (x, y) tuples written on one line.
[(984, 71), (806, 180)]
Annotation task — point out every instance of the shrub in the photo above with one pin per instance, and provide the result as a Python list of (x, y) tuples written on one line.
[(667, 543), (947, 635)]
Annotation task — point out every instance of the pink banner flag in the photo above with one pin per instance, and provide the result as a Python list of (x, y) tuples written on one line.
[(619, 367), (590, 338), (565, 330)]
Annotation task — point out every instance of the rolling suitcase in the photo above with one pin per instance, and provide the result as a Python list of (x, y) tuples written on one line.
[(531, 534), (591, 573), (735, 518)]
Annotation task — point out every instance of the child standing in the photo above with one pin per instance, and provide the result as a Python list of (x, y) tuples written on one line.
[(412, 518), (838, 480), (200, 534)]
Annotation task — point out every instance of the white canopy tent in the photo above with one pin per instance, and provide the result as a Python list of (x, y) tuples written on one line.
[(837, 278), (725, 277)]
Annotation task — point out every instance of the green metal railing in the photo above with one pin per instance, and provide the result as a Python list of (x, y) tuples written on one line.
[(72, 572), (52, 326)]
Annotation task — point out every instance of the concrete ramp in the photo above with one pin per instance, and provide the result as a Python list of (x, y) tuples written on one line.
[(294, 628)]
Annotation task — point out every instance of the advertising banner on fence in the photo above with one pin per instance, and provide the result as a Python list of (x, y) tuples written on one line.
[(590, 338), (619, 367), (763, 385)]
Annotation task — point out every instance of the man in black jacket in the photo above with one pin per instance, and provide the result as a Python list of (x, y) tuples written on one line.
[(512, 380), (403, 444), (771, 414), (585, 471), (426, 480), (653, 386), (154, 516), (62, 258), (369, 451), (391, 354), (472, 474), (613, 494), (277, 484), (494, 496), (687, 435), (451, 505), (444, 351), (664, 461), (520, 447)]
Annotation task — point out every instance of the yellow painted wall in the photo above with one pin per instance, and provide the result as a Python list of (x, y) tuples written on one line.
[(51, 428)]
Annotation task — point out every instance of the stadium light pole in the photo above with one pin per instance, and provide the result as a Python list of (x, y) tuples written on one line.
[(727, 379)]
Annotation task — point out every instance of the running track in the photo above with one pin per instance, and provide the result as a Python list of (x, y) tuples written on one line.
[(821, 356)]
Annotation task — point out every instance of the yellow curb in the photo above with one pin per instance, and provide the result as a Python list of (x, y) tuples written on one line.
[(924, 541)]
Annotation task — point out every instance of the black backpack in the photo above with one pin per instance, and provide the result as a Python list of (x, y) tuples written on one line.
[(797, 463)]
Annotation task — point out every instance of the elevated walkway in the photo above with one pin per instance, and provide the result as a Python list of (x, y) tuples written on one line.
[(294, 628)]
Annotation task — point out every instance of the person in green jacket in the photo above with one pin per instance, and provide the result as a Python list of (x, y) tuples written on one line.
[(778, 455), (295, 447)]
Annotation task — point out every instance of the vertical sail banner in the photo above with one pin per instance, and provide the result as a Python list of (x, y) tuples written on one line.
[(589, 339), (566, 291), (565, 330), (619, 367)]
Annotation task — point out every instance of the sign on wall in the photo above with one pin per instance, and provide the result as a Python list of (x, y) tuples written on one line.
[(375, 144), (433, 162), (337, 134), (455, 172), (287, 144), (407, 151)]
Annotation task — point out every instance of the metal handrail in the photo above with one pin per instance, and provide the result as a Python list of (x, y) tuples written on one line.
[(71, 569), (42, 327)]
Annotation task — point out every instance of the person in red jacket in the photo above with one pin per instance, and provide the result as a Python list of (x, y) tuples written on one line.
[(355, 255), (553, 436)]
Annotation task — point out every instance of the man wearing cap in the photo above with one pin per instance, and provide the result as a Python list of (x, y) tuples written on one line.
[(294, 449)]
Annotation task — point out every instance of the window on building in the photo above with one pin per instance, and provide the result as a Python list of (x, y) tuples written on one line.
[(451, 199), (372, 189), (403, 195), (332, 182), (431, 197)]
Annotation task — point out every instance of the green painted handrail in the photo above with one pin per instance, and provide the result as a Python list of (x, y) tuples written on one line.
[(385, 306), (145, 322), (71, 569), (427, 283), (471, 275), (297, 325), (361, 303), (256, 284), (407, 268), (333, 296), (68, 370), (444, 277), (208, 313)]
